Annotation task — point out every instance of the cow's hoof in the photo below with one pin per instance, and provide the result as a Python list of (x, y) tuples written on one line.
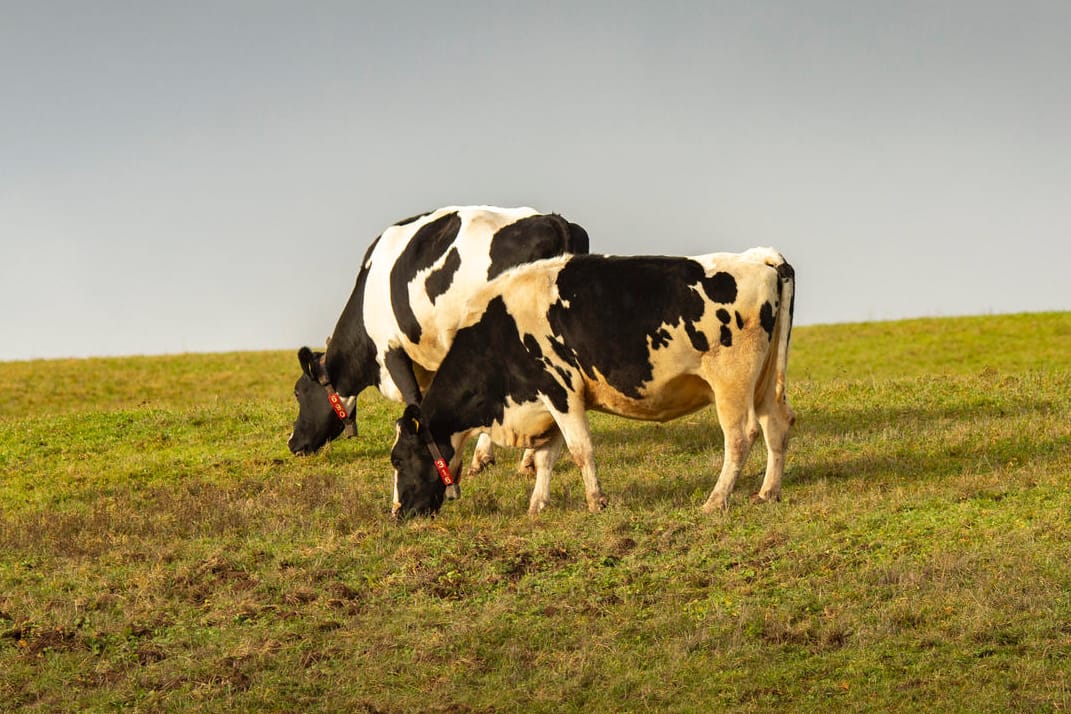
[(597, 502), (536, 508), (716, 504), (759, 497), (479, 463)]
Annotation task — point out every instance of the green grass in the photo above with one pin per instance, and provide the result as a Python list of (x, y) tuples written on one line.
[(161, 550)]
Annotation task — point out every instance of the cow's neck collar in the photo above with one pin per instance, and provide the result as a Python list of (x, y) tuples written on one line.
[(440, 463), (441, 466), (335, 400)]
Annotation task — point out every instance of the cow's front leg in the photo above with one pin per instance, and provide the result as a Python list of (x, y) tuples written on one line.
[(543, 459), (483, 455), (453, 491), (527, 467), (577, 434), (592, 490), (400, 369)]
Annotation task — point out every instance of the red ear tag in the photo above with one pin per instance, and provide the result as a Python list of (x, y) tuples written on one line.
[(444, 472), (336, 404)]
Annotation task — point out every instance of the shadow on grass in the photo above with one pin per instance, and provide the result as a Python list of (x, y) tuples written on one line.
[(857, 443), (922, 431)]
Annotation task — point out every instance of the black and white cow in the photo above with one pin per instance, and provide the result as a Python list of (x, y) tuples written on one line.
[(401, 317), (651, 338)]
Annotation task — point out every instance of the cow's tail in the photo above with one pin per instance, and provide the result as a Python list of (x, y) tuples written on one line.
[(777, 362), (787, 281)]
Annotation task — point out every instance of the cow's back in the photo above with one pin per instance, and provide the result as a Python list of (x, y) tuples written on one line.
[(423, 270), (636, 330)]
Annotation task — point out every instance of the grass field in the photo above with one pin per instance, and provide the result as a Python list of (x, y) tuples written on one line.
[(161, 550)]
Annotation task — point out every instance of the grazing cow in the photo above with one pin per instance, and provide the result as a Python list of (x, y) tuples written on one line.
[(650, 338), (400, 319)]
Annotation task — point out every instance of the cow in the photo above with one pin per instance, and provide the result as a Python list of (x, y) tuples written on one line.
[(651, 338), (399, 321)]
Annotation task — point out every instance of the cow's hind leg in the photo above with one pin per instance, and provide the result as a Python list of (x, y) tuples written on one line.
[(736, 413), (775, 417)]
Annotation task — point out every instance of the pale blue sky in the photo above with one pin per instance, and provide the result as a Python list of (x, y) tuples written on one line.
[(205, 176)]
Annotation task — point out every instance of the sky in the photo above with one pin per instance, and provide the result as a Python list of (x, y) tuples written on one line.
[(205, 176)]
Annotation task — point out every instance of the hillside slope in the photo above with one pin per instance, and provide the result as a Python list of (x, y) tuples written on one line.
[(161, 549)]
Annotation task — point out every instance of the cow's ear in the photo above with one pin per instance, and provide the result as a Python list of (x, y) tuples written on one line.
[(309, 363), (411, 420)]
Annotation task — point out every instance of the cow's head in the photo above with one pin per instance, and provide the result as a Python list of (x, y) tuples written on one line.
[(418, 484), (318, 422)]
